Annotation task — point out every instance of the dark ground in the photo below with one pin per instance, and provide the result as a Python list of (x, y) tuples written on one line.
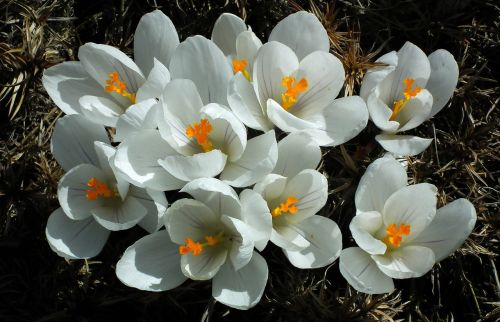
[(37, 285)]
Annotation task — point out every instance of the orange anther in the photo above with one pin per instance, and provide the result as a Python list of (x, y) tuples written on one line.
[(240, 65), (196, 248), (395, 234), (408, 93), (293, 90), (114, 84), (200, 131), (98, 189), (288, 206)]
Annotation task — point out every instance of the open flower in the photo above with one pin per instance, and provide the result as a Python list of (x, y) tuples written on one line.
[(105, 84), (295, 83), (94, 198), (398, 230), (411, 89), (210, 237)]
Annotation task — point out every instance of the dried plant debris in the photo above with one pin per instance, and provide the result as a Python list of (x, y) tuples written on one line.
[(35, 284)]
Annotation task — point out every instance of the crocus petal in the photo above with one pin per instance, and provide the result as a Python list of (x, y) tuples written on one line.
[(289, 237), (155, 38), (66, 83), (72, 188), (72, 142), (363, 226), (157, 79), (403, 145), (137, 158), (242, 244), (285, 120), (106, 154), (407, 262), (120, 217), (75, 238), (100, 110), (257, 161), (244, 103), (255, 213), (156, 205), (241, 289), (302, 32), (375, 75), (413, 205), (380, 113), (205, 265), (101, 60), (381, 179), (151, 264), (359, 269), (247, 46), (296, 152), (271, 186), (200, 165), (217, 195), (140, 116), (226, 29), (274, 60), (200, 60), (325, 245), (449, 229), (443, 79), (415, 112)]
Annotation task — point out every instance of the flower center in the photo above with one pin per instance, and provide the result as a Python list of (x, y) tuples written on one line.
[(395, 234), (200, 131), (408, 93), (196, 248), (293, 90), (240, 65), (115, 84), (98, 189), (288, 206)]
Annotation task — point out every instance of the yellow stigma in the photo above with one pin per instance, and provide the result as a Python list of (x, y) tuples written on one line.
[(288, 206), (115, 84), (408, 93), (394, 234), (200, 131), (293, 90), (240, 65), (196, 248), (98, 189)]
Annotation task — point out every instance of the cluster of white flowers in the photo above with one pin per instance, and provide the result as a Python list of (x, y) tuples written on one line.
[(177, 117)]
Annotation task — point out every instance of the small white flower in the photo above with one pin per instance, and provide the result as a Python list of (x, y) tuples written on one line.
[(210, 237), (407, 92), (94, 198), (398, 230)]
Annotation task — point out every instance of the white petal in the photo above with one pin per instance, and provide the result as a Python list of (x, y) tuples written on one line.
[(247, 45), (75, 238), (140, 116), (101, 110), (200, 165), (415, 112), (449, 229), (106, 154), (325, 243), (205, 265), (217, 195), (157, 79), (271, 186), (302, 32), (274, 60), (296, 152), (403, 145), (363, 226), (241, 289), (137, 158), (381, 179), (406, 262), (72, 188), (375, 75), (226, 29), (380, 113), (257, 161), (443, 79), (244, 103), (200, 60), (66, 83), (120, 217), (359, 269), (155, 37), (255, 213), (285, 120), (242, 244), (289, 237), (156, 205), (413, 205), (72, 142), (151, 264)]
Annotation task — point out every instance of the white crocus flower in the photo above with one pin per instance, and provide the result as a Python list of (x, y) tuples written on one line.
[(407, 92), (237, 42), (398, 230), (210, 237), (106, 85), (94, 198), (295, 83)]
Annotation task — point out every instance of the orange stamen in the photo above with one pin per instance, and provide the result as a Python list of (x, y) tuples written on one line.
[(196, 248), (98, 189), (240, 65), (288, 206), (395, 234), (293, 90), (114, 84), (200, 131), (408, 93)]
